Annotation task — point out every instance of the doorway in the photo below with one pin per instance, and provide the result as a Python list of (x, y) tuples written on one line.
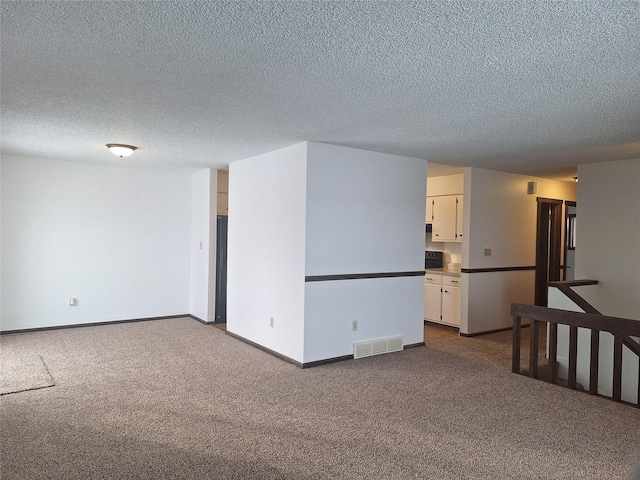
[(570, 240), (548, 247), (221, 271)]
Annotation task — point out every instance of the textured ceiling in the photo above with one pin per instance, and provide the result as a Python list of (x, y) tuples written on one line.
[(524, 86)]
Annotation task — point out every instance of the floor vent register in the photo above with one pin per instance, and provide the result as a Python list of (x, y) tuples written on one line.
[(377, 347)]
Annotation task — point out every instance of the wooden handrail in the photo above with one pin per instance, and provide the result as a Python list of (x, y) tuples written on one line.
[(614, 325), (565, 287), (632, 345), (621, 328), (573, 283)]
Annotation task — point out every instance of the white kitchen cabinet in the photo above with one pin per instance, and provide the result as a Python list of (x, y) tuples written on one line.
[(459, 217), (442, 299), (432, 297), (429, 216), (446, 212), (451, 301)]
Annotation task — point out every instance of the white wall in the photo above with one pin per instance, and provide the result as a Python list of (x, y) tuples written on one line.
[(607, 250), (365, 214), (115, 238), (487, 299), (362, 210), (502, 216), (608, 235), (499, 214), (383, 307), (266, 249), (203, 244), (316, 209)]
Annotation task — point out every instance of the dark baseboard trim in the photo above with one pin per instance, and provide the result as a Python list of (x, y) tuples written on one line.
[(327, 361), (413, 345), (497, 330), (94, 324), (265, 349), (358, 276), (198, 319), (288, 359), (443, 325), (497, 269)]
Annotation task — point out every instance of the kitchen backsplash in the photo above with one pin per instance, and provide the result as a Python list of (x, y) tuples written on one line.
[(452, 251)]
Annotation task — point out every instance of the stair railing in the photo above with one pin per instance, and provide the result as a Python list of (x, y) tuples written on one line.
[(622, 330)]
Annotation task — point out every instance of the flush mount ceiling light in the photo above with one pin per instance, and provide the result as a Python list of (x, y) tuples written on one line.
[(121, 150)]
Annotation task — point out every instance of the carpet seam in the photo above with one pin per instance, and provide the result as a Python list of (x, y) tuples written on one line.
[(53, 382)]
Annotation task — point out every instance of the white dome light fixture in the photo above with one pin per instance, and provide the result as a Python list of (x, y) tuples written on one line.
[(121, 150)]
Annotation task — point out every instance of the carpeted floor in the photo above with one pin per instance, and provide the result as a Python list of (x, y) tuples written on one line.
[(178, 399), (19, 374)]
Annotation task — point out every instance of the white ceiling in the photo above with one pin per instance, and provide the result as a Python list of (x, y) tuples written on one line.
[(524, 86)]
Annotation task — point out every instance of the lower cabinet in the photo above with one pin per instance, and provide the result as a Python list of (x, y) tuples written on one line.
[(442, 299), (432, 298)]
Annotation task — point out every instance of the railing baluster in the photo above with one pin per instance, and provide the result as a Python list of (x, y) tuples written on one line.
[(533, 350), (573, 356), (553, 352), (517, 333), (624, 330), (617, 368), (593, 362)]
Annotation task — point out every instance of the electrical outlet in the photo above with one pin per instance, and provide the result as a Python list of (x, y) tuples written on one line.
[(354, 326), (271, 322), (487, 251)]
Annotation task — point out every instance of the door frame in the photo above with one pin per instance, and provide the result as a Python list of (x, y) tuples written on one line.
[(569, 231), (549, 246)]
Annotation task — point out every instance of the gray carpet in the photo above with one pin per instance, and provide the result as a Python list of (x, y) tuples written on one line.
[(178, 399), (19, 372)]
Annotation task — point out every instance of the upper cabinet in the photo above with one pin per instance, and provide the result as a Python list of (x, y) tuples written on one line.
[(446, 217)]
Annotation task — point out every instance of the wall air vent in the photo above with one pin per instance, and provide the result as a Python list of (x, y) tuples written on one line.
[(377, 347)]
